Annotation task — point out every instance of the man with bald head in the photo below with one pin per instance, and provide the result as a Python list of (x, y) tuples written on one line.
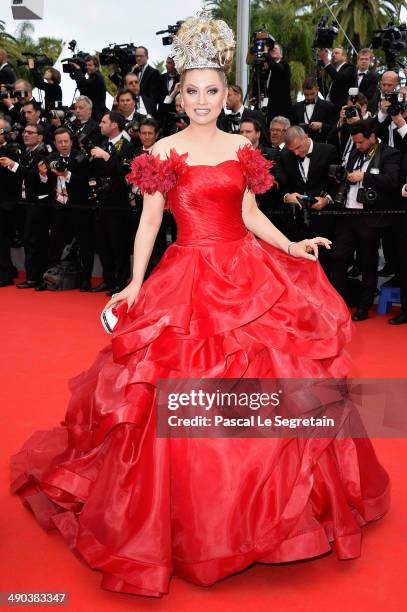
[(392, 125), (7, 74), (343, 75)]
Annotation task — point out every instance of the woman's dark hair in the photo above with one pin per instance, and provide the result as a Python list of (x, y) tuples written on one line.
[(55, 74)]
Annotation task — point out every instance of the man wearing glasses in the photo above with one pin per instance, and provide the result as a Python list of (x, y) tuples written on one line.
[(278, 129)]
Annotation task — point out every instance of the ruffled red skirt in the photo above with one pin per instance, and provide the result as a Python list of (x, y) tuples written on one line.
[(141, 508)]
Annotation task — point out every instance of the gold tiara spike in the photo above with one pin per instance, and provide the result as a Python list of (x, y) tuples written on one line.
[(202, 42)]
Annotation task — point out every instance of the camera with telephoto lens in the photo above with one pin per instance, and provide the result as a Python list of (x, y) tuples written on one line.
[(397, 103), (19, 95), (40, 59), (325, 34), (172, 29), (339, 174), (367, 196)]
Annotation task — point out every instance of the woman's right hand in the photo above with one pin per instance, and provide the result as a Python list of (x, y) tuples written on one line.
[(128, 294)]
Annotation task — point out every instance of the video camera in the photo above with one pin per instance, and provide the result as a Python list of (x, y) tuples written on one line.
[(40, 60), (172, 29), (393, 40), (123, 55), (78, 58), (260, 40), (325, 34)]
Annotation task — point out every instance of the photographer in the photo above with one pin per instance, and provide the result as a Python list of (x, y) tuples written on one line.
[(7, 74), (306, 185), (9, 197), (368, 80), (251, 129), (36, 230), (278, 84), (86, 124), (372, 184), (343, 75), (14, 104), (168, 81), (91, 85), (33, 114), (65, 176), (391, 119), (49, 83), (388, 84), (145, 105), (230, 120), (110, 165), (340, 136), (315, 115), (149, 77)]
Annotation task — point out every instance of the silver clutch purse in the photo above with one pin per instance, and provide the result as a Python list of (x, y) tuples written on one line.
[(108, 319)]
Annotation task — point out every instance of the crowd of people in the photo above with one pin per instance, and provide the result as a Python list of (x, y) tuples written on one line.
[(339, 159)]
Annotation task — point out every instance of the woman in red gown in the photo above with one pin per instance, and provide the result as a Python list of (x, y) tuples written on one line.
[(222, 303)]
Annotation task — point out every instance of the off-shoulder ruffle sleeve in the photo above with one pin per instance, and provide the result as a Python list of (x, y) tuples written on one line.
[(150, 173), (256, 169)]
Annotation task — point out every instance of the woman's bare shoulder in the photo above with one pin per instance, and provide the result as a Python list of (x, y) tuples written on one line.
[(163, 146)]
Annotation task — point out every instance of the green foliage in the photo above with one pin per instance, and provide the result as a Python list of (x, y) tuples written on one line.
[(160, 66), (24, 40)]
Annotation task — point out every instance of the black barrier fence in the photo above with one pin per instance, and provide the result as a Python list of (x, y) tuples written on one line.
[(137, 207)]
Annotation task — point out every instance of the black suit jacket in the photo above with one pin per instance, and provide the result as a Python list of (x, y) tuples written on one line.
[(324, 112), (91, 129), (150, 83), (95, 88), (116, 169), (78, 186), (9, 190), (28, 172), (384, 135), (224, 122), (341, 81), (7, 75), (150, 105), (279, 88), (164, 91), (318, 180), (369, 84)]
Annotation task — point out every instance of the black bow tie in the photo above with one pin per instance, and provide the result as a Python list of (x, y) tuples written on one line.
[(234, 115), (309, 155), (361, 73), (309, 103)]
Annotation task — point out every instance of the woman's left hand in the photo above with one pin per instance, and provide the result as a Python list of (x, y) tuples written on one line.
[(308, 249)]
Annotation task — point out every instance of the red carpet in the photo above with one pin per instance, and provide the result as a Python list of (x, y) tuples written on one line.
[(48, 338)]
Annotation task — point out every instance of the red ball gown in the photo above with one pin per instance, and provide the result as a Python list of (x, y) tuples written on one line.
[(220, 304)]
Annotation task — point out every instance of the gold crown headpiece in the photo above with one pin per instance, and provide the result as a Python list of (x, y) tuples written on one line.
[(202, 42)]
